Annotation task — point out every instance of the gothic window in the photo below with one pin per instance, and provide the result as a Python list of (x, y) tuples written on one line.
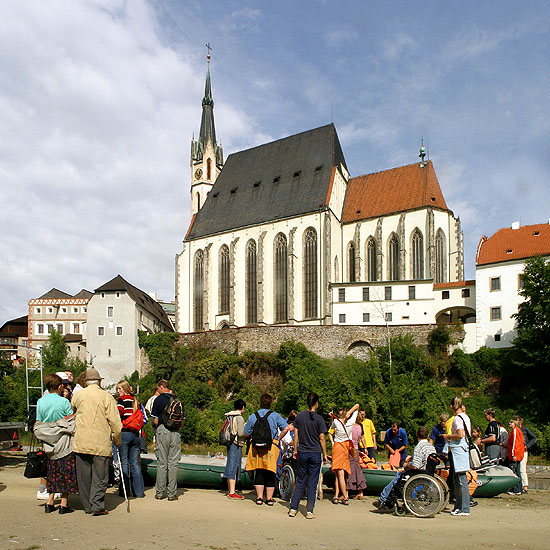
[(417, 243), (371, 259), (440, 257), (351, 262), (209, 169), (198, 290), (198, 201), (393, 258), (281, 279), (251, 284), (310, 273), (223, 282)]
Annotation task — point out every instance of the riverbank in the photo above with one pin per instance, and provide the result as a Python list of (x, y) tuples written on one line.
[(205, 518)]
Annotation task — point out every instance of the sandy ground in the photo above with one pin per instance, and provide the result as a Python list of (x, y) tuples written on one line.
[(205, 518)]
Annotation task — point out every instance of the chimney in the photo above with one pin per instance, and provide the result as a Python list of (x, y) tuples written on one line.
[(515, 225)]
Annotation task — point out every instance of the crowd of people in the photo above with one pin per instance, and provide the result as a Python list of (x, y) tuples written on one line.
[(84, 430)]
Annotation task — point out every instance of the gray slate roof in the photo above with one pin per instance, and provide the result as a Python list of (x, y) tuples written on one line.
[(247, 191), (140, 298)]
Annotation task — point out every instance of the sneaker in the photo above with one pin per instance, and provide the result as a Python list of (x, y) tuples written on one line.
[(160, 497), (513, 493), (173, 497), (459, 513), (234, 496), (310, 515), (378, 504), (42, 495), (292, 513)]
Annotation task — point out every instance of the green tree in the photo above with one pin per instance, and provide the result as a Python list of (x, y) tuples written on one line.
[(529, 375), (54, 353)]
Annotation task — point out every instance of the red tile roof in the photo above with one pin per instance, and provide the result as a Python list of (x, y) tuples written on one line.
[(454, 284), (396, 190), (514, 244)]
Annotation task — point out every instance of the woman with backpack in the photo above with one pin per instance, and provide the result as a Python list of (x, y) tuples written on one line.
[(235, 448), (261, 427), (132, 422)]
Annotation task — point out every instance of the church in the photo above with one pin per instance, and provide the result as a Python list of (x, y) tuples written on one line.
[(282, 234)]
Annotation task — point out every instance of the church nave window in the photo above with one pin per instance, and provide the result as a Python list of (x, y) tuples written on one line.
[(351, 262), (417, 243), (310, 273), (371, 260), (440, 260), (281, 279), (224, 280), (251, 284), (198, 290), (393, 258)]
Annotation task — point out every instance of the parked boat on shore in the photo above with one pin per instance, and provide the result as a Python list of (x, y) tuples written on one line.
[(204, 471)]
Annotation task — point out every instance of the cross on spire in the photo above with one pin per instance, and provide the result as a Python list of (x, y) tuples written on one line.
[(209, 48)]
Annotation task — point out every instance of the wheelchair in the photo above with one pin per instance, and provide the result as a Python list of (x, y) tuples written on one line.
[(421, 492)]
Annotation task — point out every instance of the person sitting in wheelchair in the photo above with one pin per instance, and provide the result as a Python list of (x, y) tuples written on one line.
[(419, 460)]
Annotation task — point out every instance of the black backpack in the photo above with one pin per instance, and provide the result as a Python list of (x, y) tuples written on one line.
[(261, 432), (172, 416)]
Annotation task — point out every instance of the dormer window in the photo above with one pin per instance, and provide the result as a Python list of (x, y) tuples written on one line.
[(319, 168), (276, 179), (297, 174), (536, 233), (234, 190), (257, 183)]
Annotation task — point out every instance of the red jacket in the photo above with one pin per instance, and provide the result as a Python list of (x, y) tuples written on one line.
[(516, 447)]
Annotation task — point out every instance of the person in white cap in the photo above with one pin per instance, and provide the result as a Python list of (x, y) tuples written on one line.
[(97, 423)]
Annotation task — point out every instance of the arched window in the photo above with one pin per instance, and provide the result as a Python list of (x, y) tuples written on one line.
[(198, 201), (209, 169), (336, 270), (351, 262), (198, 291), (223, 282), (281, 279), (310, 273), (393, 258), (440, 257), (371, 260), (251, 284), (417, 245)]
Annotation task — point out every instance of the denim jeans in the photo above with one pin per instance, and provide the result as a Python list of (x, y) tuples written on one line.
[(387, 489), (129, 460), (515, 467), (462, 494), (308, 467)]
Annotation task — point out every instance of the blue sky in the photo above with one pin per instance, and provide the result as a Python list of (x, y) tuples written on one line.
[(99, 101)]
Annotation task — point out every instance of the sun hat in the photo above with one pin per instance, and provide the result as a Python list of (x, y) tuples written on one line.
[(63, 376), (92, 374)]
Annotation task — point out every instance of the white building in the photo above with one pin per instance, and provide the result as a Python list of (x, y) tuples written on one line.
[(500, 260), (116, 312), (282, 229)]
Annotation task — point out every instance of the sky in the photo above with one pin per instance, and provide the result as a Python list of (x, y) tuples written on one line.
[(99, 100)]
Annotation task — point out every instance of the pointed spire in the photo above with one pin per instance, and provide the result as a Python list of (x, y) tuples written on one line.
[(208, 131), (422, 155)]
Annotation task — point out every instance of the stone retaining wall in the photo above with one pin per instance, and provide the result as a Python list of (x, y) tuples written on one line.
[(326, 341)]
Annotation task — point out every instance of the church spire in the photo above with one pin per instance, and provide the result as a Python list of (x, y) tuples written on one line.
[(206, 154)]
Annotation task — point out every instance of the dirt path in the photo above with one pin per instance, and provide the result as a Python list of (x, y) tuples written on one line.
[(204, 518)]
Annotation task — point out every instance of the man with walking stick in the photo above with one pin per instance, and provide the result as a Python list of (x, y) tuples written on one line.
[(97, 423)]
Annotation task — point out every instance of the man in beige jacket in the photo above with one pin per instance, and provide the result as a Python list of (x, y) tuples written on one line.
[(97, 423)]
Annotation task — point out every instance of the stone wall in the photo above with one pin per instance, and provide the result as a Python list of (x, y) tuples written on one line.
[(326, 341)]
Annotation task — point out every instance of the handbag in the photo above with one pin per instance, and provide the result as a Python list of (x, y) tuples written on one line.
[(37, 462), (473, 452)]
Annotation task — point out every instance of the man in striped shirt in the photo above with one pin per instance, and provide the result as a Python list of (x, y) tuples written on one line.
[(419, 460)]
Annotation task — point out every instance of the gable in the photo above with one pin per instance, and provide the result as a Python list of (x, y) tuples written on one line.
[(285, 178)]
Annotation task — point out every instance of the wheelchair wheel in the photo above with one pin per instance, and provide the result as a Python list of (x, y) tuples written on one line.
[(287, 482), (446, 493), (423, 495), (399, 510)]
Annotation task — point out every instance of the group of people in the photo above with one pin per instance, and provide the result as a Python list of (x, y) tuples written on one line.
[(78, 427), (83, 428)]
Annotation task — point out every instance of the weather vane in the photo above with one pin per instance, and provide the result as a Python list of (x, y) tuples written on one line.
[(209, 48)]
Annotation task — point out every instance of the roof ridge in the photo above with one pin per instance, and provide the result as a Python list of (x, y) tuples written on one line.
[(429, 163)]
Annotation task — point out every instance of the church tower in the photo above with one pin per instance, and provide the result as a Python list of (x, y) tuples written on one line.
[(206, 155)]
